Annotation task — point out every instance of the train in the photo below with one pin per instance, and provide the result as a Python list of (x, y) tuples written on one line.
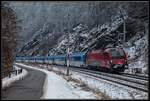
[(106, 59)]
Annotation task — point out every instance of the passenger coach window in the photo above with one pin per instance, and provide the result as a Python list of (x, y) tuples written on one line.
[(77, 58)]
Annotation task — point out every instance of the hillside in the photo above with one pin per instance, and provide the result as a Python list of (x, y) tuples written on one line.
[(90, 26)]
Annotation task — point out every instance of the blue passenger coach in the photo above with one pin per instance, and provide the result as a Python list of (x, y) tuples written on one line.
[(50, 59), (60, 59), (78, 59)]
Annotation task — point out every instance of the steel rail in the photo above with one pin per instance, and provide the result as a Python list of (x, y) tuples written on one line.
[(114, 80)]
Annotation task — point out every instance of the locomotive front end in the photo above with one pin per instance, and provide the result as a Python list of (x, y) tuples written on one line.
[(118, 60)]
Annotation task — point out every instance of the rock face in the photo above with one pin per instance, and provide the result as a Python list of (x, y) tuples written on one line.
[(40, 43), (91, 26)]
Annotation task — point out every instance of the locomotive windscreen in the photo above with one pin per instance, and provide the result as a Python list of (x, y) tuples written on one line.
[(117, 53)]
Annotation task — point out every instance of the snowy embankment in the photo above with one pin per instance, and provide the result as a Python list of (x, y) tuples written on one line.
[(56, 87), (113, 90), (6, 82)]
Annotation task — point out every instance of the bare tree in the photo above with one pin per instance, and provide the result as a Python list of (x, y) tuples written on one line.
[(9, 35)]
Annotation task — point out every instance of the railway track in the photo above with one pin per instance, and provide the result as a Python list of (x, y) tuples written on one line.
[(123, 75), (136, 76), (123, 80), (132, 81)]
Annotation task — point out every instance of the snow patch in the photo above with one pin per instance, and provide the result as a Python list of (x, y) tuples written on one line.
[(113, 90), (6, 82)]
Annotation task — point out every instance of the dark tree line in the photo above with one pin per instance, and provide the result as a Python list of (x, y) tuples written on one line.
[(9, 34)]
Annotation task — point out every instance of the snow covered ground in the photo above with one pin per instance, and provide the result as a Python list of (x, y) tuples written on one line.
[(114, 91), (56, 87), (59, 88), (6, 82)]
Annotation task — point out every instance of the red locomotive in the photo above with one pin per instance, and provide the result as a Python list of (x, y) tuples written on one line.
[(108, 59)]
